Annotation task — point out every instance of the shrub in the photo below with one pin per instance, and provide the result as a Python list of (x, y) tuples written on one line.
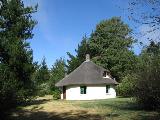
[(43, 89), (147, 92), (56, 94), (127, 86)]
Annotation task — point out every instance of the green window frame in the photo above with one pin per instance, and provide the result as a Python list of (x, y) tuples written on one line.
[(83, 89), (107, 88)]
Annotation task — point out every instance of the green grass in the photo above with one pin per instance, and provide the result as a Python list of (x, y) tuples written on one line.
[(118, 109), (110, 109)]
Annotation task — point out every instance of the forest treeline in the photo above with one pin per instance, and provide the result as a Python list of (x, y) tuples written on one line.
[(110, 45)]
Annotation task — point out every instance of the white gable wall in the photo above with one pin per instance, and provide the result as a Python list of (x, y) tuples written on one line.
[(92, 92)]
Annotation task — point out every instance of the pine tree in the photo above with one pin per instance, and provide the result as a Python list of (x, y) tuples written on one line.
[(58, 72), (16, 60), (41, 79), (43, 74)]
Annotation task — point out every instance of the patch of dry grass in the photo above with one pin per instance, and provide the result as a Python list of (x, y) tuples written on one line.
[(44, 108)]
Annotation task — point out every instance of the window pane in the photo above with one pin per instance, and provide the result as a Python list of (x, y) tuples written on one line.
[(83, 89), (107, 88)]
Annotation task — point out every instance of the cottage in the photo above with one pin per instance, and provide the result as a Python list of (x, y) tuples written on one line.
[(88, 82)]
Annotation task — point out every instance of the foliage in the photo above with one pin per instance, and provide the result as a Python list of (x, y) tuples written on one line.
[(16, 66), (147, 87), (41, 79), (127, 86), (110, 46), (8, 86), (43, 74), (43, 89), (56, 94), (58, 72)]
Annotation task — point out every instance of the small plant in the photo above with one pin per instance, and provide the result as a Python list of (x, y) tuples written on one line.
[(56, 94)]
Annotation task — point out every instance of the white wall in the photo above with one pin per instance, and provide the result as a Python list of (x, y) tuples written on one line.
[(92, 92)]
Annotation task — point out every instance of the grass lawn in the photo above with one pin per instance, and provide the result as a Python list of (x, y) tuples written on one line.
[(45, 108)]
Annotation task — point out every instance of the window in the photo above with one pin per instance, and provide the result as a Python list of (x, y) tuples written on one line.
[(107, 88), (104, 73), (83, 89)]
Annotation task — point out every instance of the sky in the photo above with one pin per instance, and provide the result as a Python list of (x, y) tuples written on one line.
[(63, 23)]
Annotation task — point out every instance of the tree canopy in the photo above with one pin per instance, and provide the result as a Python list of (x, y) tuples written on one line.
[(111, 47), (147, 91), (16, 59), (58, 72)]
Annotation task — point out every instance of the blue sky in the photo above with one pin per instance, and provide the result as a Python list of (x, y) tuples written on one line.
[(63, 23)]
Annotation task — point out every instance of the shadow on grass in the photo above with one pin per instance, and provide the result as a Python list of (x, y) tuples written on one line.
[(5, 115), (76, 115), (41, 115), (147, 117), (35, 102), (118, 109)]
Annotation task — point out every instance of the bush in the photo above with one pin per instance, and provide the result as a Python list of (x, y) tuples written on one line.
[(43, 89), (8, 88), (11, 92), (127, 86), (56, 94), (147, 92)]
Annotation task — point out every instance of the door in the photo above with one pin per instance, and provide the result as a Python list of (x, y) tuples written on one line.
[(64, 92)]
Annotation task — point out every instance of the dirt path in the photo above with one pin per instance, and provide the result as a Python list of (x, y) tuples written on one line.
[(44, 108)]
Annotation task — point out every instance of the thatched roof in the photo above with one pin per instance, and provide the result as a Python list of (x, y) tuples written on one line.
[(88, 73)]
